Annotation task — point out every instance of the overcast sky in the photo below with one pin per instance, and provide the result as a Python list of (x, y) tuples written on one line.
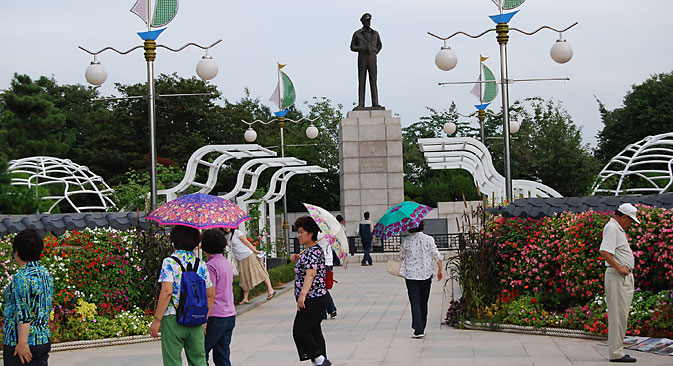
[(617, 43)]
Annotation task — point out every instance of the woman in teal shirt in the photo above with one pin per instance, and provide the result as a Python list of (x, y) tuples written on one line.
[(28, 303)]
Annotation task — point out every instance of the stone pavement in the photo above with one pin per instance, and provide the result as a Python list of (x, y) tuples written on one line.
[(373, 327)]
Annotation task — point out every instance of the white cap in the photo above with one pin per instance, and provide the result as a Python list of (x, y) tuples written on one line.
[(629, 210)]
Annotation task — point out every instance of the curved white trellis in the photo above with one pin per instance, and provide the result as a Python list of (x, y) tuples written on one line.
[(248, 170), (77, 180), (650, 159), (470, 154), (226, 152), (276, 192)]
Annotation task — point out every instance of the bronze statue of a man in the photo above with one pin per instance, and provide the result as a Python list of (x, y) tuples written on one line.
[(367, 43)]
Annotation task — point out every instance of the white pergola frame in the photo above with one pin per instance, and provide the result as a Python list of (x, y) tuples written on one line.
[(226, 152), (471, 155), (76, 180), (275, 193)]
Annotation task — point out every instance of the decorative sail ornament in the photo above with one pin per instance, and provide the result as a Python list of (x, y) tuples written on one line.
[(164, 12), (284, 95), (487, 90), (507, 4)]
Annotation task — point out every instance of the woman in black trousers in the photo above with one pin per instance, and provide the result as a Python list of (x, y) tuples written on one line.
[(310, 293), (419, 253)]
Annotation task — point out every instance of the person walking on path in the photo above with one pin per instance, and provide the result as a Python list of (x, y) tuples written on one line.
[(309, 291), (250, 269), (419, 252), (28, 303), (222, 317), (329, 271), (176, 337), (365, 233), (619, 261), (335, 258)]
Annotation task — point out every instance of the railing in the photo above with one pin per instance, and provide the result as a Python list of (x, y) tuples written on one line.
[(444, 242)]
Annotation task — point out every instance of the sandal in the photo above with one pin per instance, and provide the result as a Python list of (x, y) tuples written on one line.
[(243, 302), (270, 296)]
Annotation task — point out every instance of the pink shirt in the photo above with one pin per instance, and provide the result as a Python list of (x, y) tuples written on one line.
[(222, 277)]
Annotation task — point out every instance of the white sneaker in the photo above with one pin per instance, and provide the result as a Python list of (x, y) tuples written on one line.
[(418, 335)]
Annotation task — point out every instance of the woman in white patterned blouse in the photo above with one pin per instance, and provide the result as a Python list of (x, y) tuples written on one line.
[(419, 254)]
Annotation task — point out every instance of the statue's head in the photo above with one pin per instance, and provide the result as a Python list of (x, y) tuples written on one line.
[(366, 20)]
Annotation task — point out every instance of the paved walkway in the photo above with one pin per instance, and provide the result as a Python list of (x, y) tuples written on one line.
[(373, 327)]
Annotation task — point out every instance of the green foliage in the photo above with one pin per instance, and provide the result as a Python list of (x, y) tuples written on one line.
[(30, 123), (548, 148), (14, 199), (647, 110), (132, 193)]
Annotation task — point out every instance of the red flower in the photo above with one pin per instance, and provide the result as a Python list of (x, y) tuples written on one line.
[(533, 301)]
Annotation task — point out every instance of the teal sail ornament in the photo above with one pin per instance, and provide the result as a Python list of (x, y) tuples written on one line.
[(164, 12), (284, 96)]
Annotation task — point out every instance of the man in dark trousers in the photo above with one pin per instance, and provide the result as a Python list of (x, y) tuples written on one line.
[(367, 43), (365, 232)]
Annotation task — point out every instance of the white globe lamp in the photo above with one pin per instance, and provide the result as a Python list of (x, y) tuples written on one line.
[(312, 132), (206, 68), (449, 128), (561, 51), (446, 59), (250, 135), (514, 126), (95, 73)]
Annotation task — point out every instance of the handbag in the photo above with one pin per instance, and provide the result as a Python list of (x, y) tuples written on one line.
[(394, 267), (329, 279)]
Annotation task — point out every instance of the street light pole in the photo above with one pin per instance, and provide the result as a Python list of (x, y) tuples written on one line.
[(446, 60), (502, 30), (250, 136), (150, 47)]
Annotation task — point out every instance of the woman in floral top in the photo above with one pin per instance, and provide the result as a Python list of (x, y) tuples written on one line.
[(28, 303), (309, 291), (419, 253)]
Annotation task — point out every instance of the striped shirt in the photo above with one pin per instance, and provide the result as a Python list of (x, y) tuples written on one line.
[(28, 299)]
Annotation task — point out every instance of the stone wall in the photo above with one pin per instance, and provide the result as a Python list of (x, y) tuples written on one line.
[(370, 165)]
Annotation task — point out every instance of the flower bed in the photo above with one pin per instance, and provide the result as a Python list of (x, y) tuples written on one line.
[(105, 281), (548, 273)]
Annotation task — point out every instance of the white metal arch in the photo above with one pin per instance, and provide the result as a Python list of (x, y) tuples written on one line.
[(471, 155), (76, 180), (651, 159), (227, 152), (247, 170)]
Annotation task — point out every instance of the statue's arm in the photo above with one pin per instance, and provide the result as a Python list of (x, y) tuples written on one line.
[(355, 47), (379, 45)]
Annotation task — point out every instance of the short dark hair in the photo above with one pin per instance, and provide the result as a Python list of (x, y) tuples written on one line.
[(367, 215), (340, 218), (213, 241), (185, 237), (308, 224), (417, 229), (28, 245)]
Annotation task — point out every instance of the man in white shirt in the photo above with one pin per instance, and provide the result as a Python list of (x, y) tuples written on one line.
[(619, 261)]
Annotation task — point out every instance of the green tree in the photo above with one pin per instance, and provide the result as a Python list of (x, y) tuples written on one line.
[(647, 110), (548, 148), (30, 123), (133, 192), (14, 200)]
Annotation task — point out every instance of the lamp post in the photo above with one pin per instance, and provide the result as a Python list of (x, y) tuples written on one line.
[(446, 59), (206, 68), (311, 132)]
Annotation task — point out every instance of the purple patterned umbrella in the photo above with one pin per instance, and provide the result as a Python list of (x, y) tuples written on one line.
[(200, 211), (401, 217)]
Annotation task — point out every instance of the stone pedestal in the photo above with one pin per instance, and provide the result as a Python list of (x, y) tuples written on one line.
[(370, 165)]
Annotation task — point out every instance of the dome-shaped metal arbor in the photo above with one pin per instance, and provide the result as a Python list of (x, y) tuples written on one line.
[(77, 180), (645, 167)]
